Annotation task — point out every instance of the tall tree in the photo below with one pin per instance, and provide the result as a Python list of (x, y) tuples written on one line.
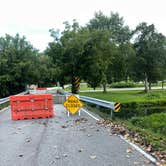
[(16, 58), (98, 52), (149, 46), (119, 34), (67, 53)]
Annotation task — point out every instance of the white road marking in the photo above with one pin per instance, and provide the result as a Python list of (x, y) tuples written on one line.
[(90, 114), (148, 156)]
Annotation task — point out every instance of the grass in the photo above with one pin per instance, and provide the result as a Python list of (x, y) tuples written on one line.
[(156, 138), (84, 86), (155, 122), (4, 105), (150, 125), (129, 96)]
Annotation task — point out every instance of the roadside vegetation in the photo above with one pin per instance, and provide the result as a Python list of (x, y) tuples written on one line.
[(101, 53), (142, 117), (4, 105), (134, 96)]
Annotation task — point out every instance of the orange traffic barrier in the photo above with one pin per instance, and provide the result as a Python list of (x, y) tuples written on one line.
[(31, 106)]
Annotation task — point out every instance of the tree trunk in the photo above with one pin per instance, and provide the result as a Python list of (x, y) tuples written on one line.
[(104, 88), (162, 83), (146, 83), (73, 89), (150, 87)]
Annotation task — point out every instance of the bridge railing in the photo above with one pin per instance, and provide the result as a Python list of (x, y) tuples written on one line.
[(6, 99), (103, 103)]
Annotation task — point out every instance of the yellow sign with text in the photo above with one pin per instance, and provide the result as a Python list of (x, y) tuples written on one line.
[(73, 104)]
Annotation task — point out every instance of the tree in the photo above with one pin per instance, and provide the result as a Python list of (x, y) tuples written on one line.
[(119, 33), (17, 56), (120, 68), (149, 46), (67, 53), (119, 36), (98, 52)]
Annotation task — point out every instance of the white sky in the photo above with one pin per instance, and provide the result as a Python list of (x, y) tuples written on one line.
[(33, 18)]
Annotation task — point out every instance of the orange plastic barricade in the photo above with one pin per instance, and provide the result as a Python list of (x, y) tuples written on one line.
[(31, 106)]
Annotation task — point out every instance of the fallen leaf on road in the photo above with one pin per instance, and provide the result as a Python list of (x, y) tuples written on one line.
[(127, 156), (28, 139), (64, 155), (57, 157), (81, 120), (80, 150), (147, 162), (20, 155), (149, 148), (129, 150), (136, 163), (45, 124), (93, 157), (52, 162), (55, 147)]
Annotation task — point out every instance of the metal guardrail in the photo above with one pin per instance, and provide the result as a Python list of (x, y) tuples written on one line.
[(99, 102), (6, 99), (111, 105)]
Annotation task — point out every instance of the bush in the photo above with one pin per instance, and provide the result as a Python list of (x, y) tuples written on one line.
[(154, 122), (123, 84)]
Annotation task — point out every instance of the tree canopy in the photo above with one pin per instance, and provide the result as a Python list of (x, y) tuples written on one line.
[(103, 51)]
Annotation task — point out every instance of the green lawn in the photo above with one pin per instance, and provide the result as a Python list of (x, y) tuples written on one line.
[(129, 96), (151, 127), (4, 105)]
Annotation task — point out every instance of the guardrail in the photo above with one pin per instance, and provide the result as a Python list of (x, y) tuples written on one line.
[(114, 106), (99, 102), (6, 99)]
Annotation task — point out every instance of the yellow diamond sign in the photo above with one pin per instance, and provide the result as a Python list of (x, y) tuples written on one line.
[(73, 104)]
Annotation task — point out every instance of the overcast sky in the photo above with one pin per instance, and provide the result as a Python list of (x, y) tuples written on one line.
[(33, 18)]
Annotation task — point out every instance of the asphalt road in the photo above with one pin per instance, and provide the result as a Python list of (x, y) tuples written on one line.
[(63, 141)]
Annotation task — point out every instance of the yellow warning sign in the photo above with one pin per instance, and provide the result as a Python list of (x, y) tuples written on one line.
[(73, 104)]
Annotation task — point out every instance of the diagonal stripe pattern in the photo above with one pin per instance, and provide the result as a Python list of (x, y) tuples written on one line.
[(77, 83), (117, 107)]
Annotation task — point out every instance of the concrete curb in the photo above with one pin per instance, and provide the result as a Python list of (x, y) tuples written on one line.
[(148, 156)]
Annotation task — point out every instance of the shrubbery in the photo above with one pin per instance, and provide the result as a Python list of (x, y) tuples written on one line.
[(155, 122), (123, 84)]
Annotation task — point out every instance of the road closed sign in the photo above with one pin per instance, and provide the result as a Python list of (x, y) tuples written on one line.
[(73, 104)]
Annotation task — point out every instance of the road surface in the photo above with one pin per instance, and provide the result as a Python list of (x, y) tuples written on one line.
[(63, 141)]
